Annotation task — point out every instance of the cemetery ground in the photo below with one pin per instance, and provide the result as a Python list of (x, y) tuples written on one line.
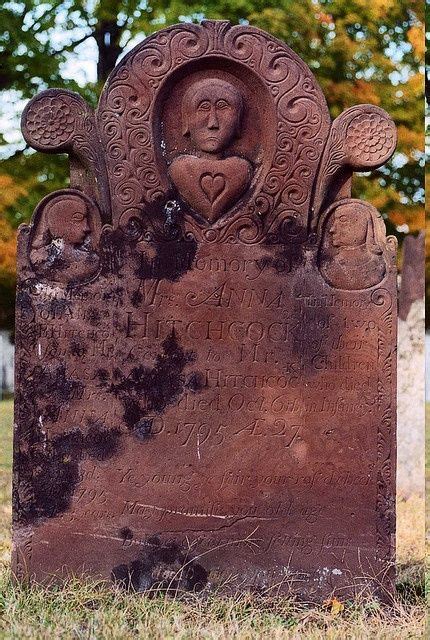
[(90, 610)]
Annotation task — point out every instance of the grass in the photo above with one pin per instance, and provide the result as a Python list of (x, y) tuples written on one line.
[(87, 610)]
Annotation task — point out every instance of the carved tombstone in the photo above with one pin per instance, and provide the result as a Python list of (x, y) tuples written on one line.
[(206, 330)]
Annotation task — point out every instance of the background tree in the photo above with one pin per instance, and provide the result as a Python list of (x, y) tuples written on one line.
[(360, 51)]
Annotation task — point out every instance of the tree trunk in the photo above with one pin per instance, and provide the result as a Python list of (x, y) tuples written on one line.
[(107, 34)]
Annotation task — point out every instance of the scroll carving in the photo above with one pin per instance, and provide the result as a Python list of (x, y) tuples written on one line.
[(361, 138), (60, 121), (278, 197), (273, 189)]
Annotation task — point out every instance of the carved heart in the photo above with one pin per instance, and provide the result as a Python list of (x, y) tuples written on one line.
[(212, 184)]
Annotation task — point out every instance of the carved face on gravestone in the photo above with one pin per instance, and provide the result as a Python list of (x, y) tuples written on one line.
[(209, 180), (67, 218), (351, 257), (349, 227), (62, 249), (211, 114)]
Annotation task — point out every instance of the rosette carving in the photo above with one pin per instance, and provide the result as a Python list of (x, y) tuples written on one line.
[(50, 122), (361, 138), (51, 119), (300, 163), (58, 121), (370, 139)]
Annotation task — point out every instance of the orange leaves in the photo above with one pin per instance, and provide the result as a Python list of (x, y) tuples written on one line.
[(324, 18), (7, 251), (377, 9), (381, 198), (413, 216), (410, 140), (365, 92), (10, 191), (416, 38), (414, 85), (334, 605), (427, 242)]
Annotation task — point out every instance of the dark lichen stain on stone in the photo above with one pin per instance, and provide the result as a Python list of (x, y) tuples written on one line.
[(115, 295), (166, 257), (143, 429), (103, 376), (196, 381), (24, 301), (284, 258), (145, 390), (77, 348), (113, 246), (136, 298), (48, 469), (170, 262), (26, 334), (58, 308), (51, 389), (101, 443), (162, 567), (126, 533), (93, 316)]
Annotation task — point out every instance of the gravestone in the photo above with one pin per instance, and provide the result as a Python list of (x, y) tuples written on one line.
[(413, 273), (206, 330), (411, 371)]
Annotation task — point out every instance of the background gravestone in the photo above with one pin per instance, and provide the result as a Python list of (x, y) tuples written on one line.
[(206, 330), (411, 371)]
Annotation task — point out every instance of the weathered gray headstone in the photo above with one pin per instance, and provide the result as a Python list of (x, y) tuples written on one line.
[(206, 330), (413, 279), (411, 370)]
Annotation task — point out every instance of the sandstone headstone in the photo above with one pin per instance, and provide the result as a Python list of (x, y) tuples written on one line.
[(206, 330)]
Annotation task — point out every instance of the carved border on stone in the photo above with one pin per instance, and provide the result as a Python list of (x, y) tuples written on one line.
[(386, 467), (302, 128)]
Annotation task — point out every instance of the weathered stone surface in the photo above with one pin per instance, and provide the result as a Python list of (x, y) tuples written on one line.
[(411, 403), (413, 279), (206, 345), (411, 370)]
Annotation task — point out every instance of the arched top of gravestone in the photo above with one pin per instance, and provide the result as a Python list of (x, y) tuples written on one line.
[(211, 132), (257, 178)]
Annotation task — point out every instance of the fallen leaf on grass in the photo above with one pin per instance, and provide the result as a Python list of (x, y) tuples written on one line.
[(335, 606)]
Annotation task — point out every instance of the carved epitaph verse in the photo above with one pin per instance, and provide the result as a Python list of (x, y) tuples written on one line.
[(206, 330)]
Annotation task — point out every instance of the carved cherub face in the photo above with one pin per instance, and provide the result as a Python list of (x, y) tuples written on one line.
[(349, 227), (68, 219), (211, 112)]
